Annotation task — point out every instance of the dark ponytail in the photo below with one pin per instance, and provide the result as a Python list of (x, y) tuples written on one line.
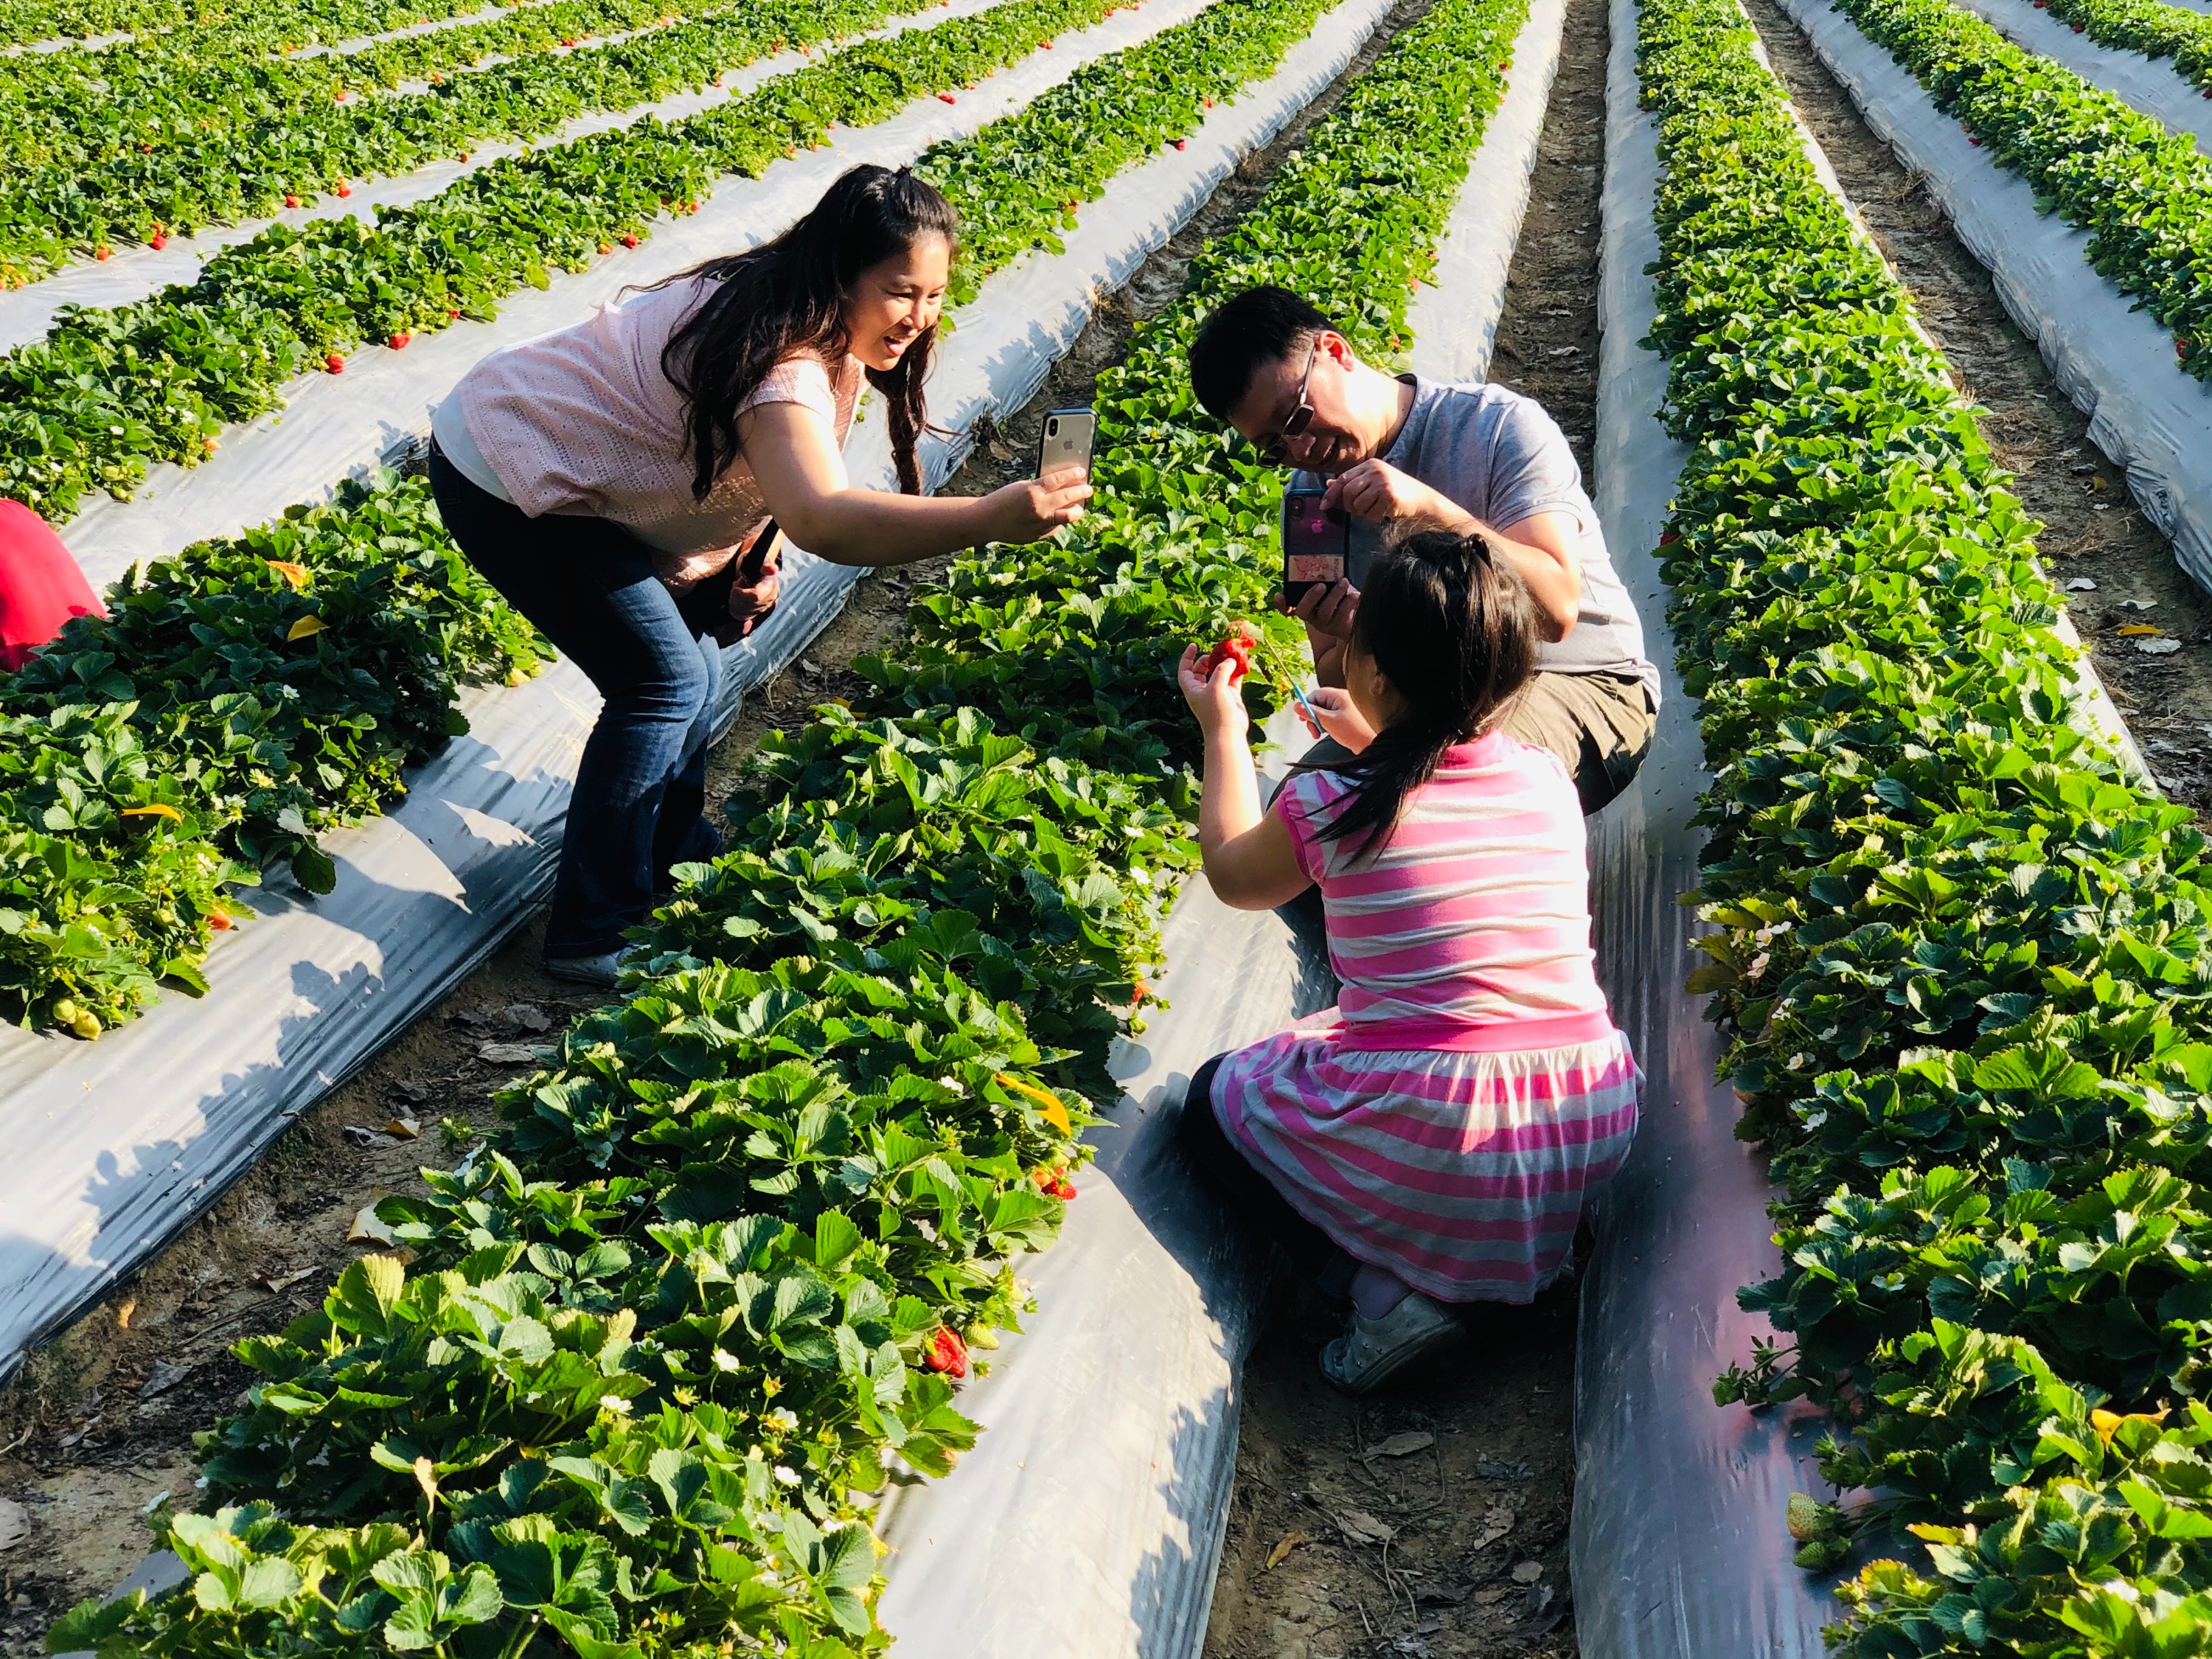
[(786, 297), (1453, 632)]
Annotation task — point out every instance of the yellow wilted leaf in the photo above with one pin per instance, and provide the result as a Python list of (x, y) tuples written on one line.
[(2140, 631), (304, 628), (294, 574), (156, 810), (1283, 1545), (1048, 1103)]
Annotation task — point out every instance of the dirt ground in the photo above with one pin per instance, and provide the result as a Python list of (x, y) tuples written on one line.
[(2120, 572)]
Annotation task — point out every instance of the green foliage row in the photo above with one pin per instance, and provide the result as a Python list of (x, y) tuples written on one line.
[(1020, 180), (105, 147), (2142, 193), (235, 701), (1961, 960), (108, 392), (2149, 27), (707, 1288), (274, 24)]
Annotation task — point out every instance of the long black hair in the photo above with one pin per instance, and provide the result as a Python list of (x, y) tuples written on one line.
[(1453, 632), (787, 297)]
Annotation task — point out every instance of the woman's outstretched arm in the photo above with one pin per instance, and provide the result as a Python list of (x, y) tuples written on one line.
[(792, 452)]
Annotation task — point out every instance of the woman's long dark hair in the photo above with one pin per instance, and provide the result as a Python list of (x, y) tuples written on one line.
[(787, 296), (1454, 631)]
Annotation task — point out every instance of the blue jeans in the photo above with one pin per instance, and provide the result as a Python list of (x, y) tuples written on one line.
[(641, 796)]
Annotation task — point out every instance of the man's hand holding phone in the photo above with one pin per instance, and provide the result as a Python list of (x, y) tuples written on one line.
[(1376, 492), (1329, 612)]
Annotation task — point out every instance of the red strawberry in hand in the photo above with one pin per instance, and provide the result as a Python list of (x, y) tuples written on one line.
[(1237, 646), (947, 1352)]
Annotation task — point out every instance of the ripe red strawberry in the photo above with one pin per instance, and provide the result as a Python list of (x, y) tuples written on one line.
[(157, 241), (629, 240), (567, 39), (102, 251), (946, 98), (452, 316), (344, 189), (339, 95), (291, 201), (398, 341), (335, 364), (1237, 646), (947, 1352), (1181, 144)]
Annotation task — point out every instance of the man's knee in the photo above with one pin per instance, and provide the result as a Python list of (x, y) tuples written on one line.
[(1600, 727)]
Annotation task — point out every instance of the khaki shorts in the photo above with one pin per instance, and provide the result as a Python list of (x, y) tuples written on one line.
[(1599, 724)]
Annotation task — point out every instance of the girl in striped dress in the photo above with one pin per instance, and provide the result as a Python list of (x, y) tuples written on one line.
[(1443, 1125)]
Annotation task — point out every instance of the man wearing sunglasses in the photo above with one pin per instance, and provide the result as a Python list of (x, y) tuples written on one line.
[(1401, 455)]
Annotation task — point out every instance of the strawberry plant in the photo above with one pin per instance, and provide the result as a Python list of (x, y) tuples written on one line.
[(259, 690), (2143, 194), (1958, 954), (718, 1274)]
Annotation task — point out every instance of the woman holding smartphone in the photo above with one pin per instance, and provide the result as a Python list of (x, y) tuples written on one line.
[(607, 477)]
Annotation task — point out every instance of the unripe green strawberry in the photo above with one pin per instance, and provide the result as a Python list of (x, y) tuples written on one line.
[(1804, 1518)]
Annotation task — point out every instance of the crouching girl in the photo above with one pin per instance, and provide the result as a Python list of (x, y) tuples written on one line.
[(1443, 1124)]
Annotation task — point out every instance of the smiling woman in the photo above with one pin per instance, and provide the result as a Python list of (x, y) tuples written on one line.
[(621, 482)]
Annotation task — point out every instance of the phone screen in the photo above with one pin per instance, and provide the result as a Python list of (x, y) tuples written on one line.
[(1067, 441), (1316, 543)]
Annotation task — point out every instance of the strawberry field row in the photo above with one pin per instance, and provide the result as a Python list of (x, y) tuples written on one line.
[(268, 797), (106, 392), (2149, 27), (169, 146), (278, 23), (717, 1270), (1961, 962), (2143, 194)]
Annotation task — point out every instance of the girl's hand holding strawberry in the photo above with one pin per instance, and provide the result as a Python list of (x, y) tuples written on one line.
[(1210, 683)]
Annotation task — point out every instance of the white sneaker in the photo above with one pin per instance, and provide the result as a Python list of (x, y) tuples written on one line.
[(1373, 1351), (602, 972)]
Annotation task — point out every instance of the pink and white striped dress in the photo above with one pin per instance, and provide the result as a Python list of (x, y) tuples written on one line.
[(1446, 1120)]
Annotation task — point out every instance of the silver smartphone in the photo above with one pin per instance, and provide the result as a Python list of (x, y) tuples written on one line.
[(1066, 440)]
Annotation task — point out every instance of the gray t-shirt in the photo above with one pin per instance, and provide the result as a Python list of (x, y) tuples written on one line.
[(1503, 459)]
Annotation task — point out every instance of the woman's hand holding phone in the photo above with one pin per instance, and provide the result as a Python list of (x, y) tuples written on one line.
[(757, 588), (1032, 508)]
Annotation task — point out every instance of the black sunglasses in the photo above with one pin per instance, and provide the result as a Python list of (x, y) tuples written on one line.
[(1296, 422)]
